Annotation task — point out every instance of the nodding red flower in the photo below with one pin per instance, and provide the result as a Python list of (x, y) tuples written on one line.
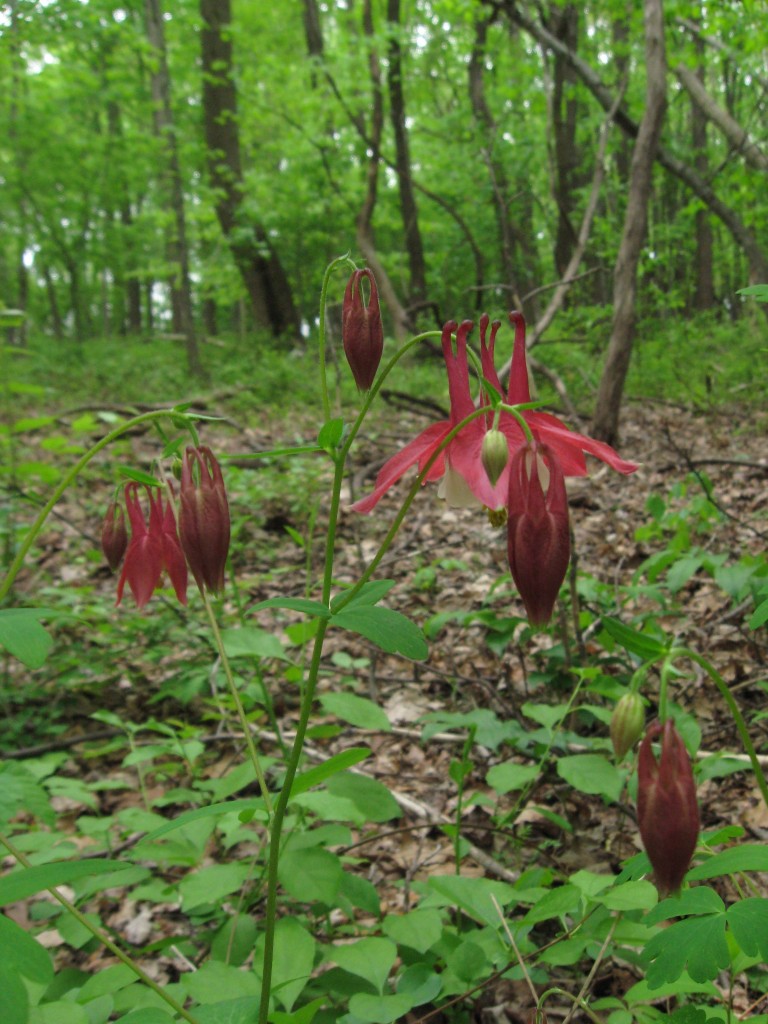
[(667, 812), (362, 332), (538, 535), (204, 524), (461, 463), (154, 548), (114, 535)]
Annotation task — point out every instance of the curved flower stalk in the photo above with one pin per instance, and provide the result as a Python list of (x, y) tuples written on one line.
[(464, 480)]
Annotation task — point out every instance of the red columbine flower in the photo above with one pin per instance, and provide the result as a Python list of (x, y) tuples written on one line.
[(466, 481), (204, 517), (667, 813), (538, 537), (153, 548), (361, 330), (114, 536)]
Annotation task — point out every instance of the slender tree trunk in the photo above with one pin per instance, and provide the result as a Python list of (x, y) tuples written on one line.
[(728, 125), (518, 257), (564, 24), (364, 223), (408, 208), (53, 302), (704, 288), (261, 271), (161, 97), (758, 265), (606, 421)]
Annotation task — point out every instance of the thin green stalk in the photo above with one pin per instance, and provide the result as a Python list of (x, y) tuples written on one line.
[(298, 743), (66, 480), (103, 938), (733, 707), (321, 330), (576, 1000), (243, 718)]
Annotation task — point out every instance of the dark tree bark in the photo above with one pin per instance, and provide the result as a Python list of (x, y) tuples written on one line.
[(262, 273), (409, 211), (364, 223), (125, 275), (164, 126), (564, 24), (606, 421)]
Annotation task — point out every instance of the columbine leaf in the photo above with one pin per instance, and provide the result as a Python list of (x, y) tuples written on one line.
[(748, 920), (22, 635), (389, 630), (747, 857), (591, 773), (697, 943), (645, 647)]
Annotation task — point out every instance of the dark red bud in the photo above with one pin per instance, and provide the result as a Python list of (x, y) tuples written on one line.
[(204, 524), (667, 812), (538, 537), (114, 535), (362, 332)]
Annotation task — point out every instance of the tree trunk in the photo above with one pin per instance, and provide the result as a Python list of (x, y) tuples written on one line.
[(565, 26), (417, 292), (364, 223), (704, 288), (758, 265), (164, 126), (262, 273), (727, 124), (606, 421)]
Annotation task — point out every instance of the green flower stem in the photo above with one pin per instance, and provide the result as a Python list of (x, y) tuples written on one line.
[(69, 476), (103, 937), (733, 707), (243, 718), (576, 1000), (292, 765), (339, 261)]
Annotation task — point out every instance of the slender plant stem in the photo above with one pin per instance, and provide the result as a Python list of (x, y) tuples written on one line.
[(733, 707), (243, 718), (298, 742), (66, 480), (102, 937), (339, 261)]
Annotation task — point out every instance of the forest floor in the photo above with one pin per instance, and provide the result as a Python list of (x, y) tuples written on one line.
[(447, 565)]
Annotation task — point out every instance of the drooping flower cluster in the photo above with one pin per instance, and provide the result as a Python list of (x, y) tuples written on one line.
[(667, 812), (159, 547), (526, 481)]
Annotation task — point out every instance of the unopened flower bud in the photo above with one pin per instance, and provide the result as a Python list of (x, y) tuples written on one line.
[(204, 525), (627, 722), (538, 535), (494, 455), (114, 535), (362, 332), (667, 812)]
